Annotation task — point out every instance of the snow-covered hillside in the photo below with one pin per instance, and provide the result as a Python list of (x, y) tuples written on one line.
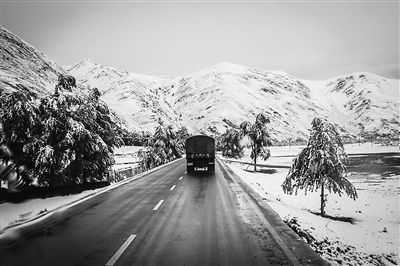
[(24, 68), (228, 93), (215, 97), (140, 99), (360, 98)]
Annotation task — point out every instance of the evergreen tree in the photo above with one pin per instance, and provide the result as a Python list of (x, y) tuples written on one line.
[(321, 164), (164, 146), (96, 136), (56, 140), (20, 126), (182, 134), (259, 137), (15, 175), (361, 132), (63, 139), (230, 143)]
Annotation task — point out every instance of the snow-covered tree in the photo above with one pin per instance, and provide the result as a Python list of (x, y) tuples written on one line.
[(56, 140), (14, 175), (133, 138), (230, 143), (164, 146), (182, 133), (63, 139), (321, 165), (96, 135), (361, 132), (19, 125), (259, 137)]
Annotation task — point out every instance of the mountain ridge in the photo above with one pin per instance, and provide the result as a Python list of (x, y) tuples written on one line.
[(225, 83), (212, 99)]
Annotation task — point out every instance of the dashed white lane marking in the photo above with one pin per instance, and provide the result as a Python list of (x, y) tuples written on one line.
[(172, 188), (180, 178), (158, 205), (121, 250), (185, 172)]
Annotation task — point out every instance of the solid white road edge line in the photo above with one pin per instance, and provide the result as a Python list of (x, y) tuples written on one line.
[(172, 188), (180, 178), (270, 228), (121, 250), (158, 205)]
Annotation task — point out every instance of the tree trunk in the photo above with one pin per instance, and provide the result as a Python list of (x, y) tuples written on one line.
[(322, 200), (255, 162)]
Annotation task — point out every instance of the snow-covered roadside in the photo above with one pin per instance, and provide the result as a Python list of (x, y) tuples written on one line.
[(126, 150), (125, 157), (363, 232), (14, 213), (362, 148)]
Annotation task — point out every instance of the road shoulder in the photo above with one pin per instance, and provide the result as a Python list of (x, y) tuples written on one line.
[(296, 249)]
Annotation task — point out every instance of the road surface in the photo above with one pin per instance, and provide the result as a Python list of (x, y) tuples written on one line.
[(167, 217)]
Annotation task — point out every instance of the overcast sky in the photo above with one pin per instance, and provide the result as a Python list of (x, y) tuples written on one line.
[(310, 40)]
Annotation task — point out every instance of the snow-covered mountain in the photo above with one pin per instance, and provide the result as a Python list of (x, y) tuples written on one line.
[(225, 94), (213, 98), (360, 98), (140, 99), (228, 93), (23, 67)]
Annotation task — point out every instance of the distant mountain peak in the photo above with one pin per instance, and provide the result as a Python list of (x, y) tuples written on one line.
[(281, 72), (229, 67), (87, 61), (226, 64)]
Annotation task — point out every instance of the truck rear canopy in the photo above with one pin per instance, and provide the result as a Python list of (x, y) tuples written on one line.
[(200, 144)]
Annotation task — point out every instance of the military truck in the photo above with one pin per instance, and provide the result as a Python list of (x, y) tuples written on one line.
[(200, 153)]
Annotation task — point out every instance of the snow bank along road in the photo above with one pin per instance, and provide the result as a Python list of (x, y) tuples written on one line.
[(167, 217)]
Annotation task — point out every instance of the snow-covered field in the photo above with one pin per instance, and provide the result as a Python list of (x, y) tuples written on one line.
[(363, 232), (283, 155), (127, 150), (126, 156)]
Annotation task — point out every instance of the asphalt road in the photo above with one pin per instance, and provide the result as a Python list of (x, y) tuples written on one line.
[(168, 217)]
